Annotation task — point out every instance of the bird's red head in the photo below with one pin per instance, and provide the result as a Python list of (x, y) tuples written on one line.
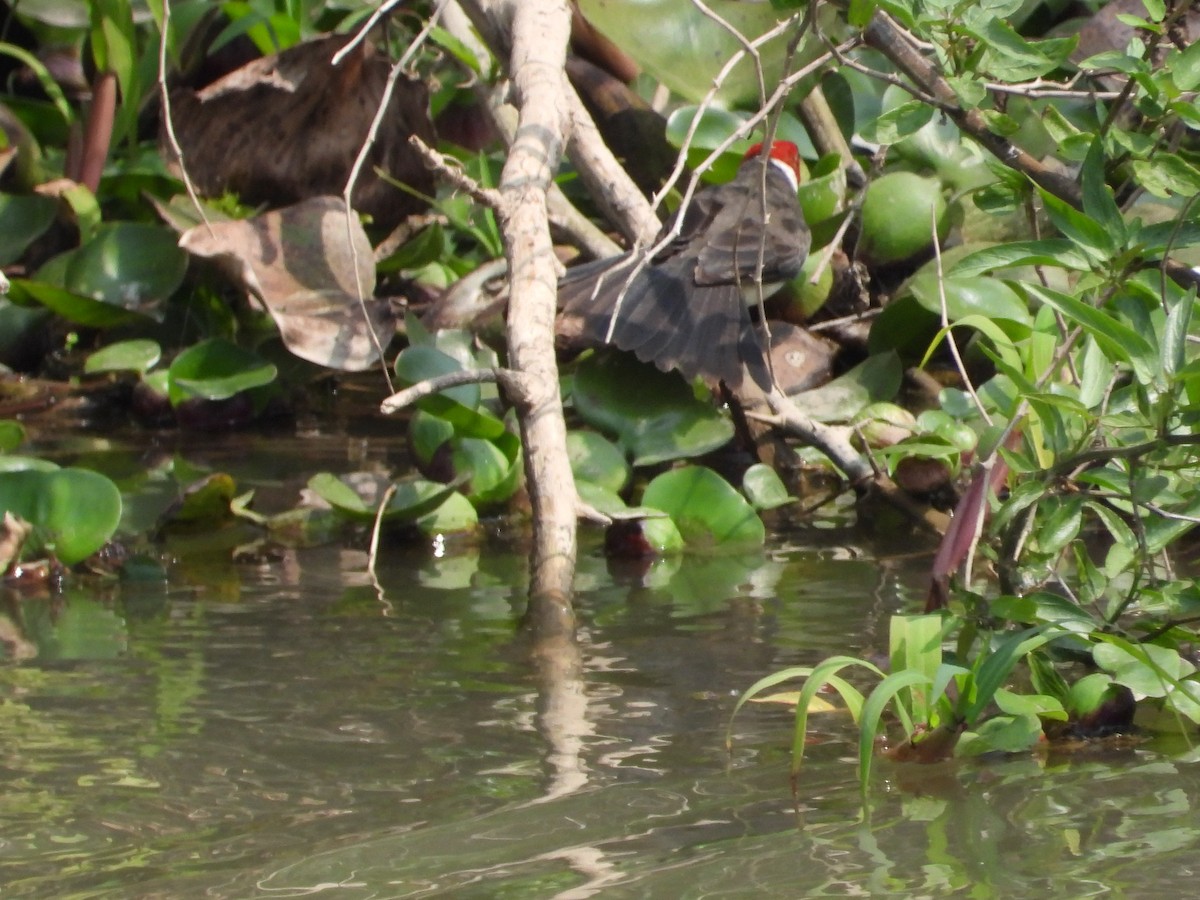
[(785, 153)]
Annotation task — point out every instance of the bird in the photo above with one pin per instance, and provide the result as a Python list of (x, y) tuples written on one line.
[(685, 306)]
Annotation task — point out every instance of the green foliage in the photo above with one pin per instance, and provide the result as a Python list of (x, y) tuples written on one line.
[(73, 511)]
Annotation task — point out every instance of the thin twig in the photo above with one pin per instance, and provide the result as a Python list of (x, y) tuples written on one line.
[(168, 122), (364, 151)]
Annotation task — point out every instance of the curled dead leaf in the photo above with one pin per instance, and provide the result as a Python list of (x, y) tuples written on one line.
[(312, 269)]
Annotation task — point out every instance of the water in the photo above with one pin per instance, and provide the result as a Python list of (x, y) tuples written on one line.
[(284, 727)]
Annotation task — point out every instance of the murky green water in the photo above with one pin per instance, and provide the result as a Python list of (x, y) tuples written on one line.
[(281, 727)]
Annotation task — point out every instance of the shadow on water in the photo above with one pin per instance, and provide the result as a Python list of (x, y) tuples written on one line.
[(281, 728)]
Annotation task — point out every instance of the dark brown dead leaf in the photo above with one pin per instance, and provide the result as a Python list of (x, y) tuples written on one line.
[(289, 126), (308, 265)]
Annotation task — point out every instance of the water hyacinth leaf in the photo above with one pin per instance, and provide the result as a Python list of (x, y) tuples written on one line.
[(600, 498), (597, 460), (11, 463), (74, 510), (426, 435), (12, 435), (708, 511), (23, 218), (359, 494), (764, 488), (1040, 705), (655, 416), (1089, 692), (877, 378), (216, 370), (131, 265), (490, 474), (71, 306), (457, 405), (455, 515), (204, 503), (1002, 734), (139, 356), (1146, 669)]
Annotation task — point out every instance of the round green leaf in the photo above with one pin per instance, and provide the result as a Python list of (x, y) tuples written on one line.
[(763, 488), (596, 459), (76, 510), (655, 416), (358, 495), (10, 463), (492, 475), (132, 265), (455, 515), (707, 510), (426, 433), (126, 356), (216, 370)]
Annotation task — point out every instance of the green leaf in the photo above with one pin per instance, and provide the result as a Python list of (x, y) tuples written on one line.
[(131, 265), (1089, 692), (1098, 202), (1167, 175), (491, 471), (457, 405), (23, 218), (1116, 339), (12, 435), (139, 356), (764, 488), (969, 295), (1003, 734), (708, 511), (598, 460), (76, 509), (898, 122), (998, 666), (216, 370), (1175, 335), (1040, 705), (454, 515), (1085, 232), (1184, 66), (915, 643), (859, 13), (358, 495), (71, 306), (872, 716), (1146, 669), (655, 415), (1055, 252)]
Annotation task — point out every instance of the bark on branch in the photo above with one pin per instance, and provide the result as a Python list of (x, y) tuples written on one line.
[(538, 31)]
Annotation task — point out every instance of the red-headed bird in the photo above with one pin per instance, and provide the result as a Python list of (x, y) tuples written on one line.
[(686, 307)]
